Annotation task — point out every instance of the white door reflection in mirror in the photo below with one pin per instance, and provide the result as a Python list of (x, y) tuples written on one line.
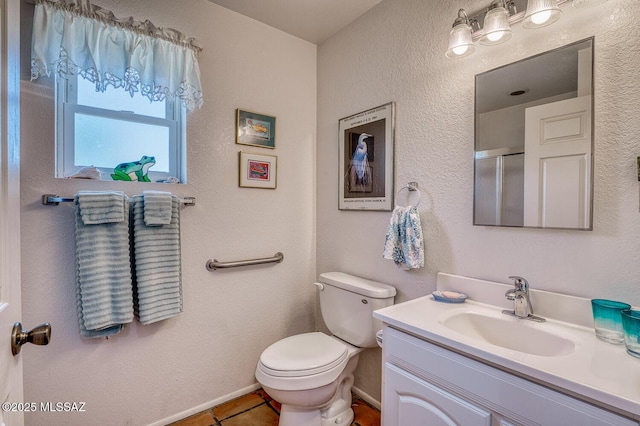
[(557, 164)]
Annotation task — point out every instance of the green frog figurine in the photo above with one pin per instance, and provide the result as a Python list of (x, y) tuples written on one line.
[(135, 170)]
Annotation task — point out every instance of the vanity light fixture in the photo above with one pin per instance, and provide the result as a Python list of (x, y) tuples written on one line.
[(541, 13), (492, 26), (460, 39), (496, 24)]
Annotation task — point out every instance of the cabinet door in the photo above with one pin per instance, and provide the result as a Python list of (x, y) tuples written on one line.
[(411, 401)]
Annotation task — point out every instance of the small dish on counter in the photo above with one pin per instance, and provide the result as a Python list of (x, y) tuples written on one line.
[(449, 296)]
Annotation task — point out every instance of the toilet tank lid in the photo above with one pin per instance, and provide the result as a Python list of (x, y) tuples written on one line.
[(358, 285)]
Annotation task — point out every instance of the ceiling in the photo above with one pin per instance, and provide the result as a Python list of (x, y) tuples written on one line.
[(550, 74), (311, 20), (317, 20)]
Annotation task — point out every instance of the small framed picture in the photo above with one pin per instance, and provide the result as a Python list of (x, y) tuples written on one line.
[(255, 129), (258, 170)]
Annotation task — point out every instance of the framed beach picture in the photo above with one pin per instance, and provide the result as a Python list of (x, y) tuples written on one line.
[(258, 170), (365, 160), (255, 129)]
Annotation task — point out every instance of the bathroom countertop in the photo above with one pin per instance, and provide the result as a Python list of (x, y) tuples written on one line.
[(596, 371)]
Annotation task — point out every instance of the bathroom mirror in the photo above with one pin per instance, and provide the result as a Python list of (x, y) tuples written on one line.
[(534, 141)]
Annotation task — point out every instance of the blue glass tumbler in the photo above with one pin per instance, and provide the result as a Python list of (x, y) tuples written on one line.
[(607, 320), (631, 327)]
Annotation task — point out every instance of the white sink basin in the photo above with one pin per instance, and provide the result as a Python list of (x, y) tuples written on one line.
[(508, 332)]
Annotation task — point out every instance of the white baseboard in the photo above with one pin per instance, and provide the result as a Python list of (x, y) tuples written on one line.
[(367, 398), (210, 404)]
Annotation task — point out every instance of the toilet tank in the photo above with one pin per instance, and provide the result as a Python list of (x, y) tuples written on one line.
[(347, 303)]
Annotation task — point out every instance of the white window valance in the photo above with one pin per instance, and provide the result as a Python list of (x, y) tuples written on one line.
[(84, 39)]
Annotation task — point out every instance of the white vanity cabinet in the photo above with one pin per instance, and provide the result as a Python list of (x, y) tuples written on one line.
[(426, 384)]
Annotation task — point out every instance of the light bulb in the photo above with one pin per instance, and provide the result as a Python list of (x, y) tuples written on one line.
[(541, 13), (460, 39), (496, 24), (495, 36), (541, 17), (460, 50)]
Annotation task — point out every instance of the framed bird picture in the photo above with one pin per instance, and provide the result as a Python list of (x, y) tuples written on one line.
[(365, 164)]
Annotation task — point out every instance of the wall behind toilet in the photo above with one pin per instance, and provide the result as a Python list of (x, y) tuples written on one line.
[(149, 373), (395, 52)]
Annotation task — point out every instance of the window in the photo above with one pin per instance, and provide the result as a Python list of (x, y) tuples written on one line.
[(104, 129)]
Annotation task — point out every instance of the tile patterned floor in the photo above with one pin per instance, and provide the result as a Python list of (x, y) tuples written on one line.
[(259, 409)]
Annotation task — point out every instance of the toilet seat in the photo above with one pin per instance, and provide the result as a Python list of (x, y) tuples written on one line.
[(303, 355), (304, 361)]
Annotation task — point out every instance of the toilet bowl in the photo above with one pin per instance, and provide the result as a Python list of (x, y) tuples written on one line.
[(311, 374)]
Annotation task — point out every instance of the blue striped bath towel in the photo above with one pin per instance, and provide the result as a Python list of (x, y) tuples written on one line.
[(103, 269), (157, 263)]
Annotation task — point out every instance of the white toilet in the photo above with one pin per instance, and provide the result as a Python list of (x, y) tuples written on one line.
[(311, 374)]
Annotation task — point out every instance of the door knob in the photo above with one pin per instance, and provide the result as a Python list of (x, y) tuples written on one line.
[(38, 336)]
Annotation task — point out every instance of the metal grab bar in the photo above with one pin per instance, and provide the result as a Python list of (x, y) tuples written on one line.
[(213, 264), (54, 200)]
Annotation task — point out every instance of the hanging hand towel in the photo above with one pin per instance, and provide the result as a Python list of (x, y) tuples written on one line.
[(404, 243), (100, 207), (103, 269), (157, 207), (157, 265)]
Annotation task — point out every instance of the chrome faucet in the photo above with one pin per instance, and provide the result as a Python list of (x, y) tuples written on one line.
[(522, 307)]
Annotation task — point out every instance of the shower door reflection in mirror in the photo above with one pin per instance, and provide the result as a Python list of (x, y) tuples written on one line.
[(534, 141)]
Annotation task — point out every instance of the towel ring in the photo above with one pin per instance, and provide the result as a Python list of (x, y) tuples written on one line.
[(411, 187)]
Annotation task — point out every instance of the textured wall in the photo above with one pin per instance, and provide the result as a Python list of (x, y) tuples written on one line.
[(396, 53), (150, 373)]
